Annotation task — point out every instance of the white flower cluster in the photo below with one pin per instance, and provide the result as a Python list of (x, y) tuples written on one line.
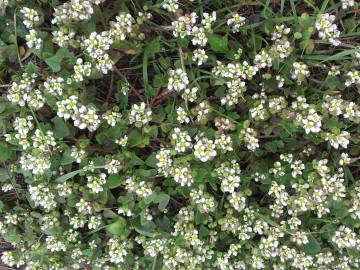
[(42, 196), (97, 45), (117, 250), (140, 115), (181, 140), (353, 77), (183, 26), (337, 139), (183, 176), (228, 173), (249, 137), (190, 94), (83, 116), (235, 22), (178, 80), (164, 161), (300, 72), (336, 106), (281, 47), (205, 149), (224, 143), (122, 26), (344, 237), (345, 4), (81, 71), (96, 182), (170, 5), (112, 117), (311, 122), (63, 37), (23, 93), (236, 89), (186, 26), (199, 56), (73, 11), (263, 60), (54, 86), (182, 115), (141, 189), (237, 201), (327, 29), (204, 201), (31, 19)]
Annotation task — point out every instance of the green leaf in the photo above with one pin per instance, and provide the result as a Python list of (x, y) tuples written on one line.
[(218, 43), (119, 227), (135, 161), (200, 217), (115, 180), (67, 176), (144, 232), (273, 146), (312, 247), (289, 127), (163, 200), (136, 139), (61, 130), (12, 236), (153, 47), (54, 61), (348, 175), (5, 152), (9, 53), (340, 55), (4, 175), (151, 161)]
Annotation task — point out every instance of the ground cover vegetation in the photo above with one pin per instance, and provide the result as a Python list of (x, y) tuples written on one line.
[(178, 134)]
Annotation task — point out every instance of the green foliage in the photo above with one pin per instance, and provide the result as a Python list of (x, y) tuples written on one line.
[(179, 134)]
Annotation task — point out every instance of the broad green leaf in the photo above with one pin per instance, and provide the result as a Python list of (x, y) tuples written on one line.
[(312, 247), (4, 175), (61, 130), (162, 199), (136, 139), (153, 47), (151, 161), (218, 43), (5, 152), (115, 180), (119, 227), (54, 62)]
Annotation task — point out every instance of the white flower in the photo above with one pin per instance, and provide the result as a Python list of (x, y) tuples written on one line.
[(140, 115), (345, 4), (199, 56), (327, 29), (32, 41), (204, 149), (178, 80), (31, 17), (183, 176), (300, 72), (236, 21), (182, 116), (338, 139), (170, 5), (199, 36), (181, 140)]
